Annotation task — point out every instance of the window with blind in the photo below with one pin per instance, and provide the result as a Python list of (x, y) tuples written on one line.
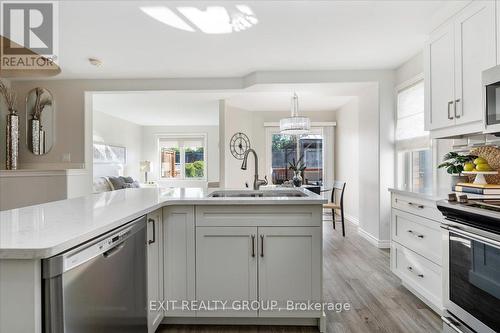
[(182, 158), (414, 154)]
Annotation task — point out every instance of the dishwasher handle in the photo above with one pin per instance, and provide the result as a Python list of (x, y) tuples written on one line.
[(114, 250)]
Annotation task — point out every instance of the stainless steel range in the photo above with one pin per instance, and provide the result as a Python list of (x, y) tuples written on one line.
[(471, 236)]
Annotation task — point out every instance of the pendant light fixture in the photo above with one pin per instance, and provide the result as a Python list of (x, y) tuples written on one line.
[(295, 125)]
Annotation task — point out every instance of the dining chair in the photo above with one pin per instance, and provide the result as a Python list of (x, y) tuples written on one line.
[(337, 194)]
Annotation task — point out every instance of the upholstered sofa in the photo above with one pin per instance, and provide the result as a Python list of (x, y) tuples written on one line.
[(105, 184)]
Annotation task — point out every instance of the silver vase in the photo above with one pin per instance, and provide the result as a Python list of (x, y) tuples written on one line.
[(41, 150), (35, 136), (12, 141)]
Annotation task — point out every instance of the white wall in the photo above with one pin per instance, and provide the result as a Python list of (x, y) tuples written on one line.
[(370, 164), (347, 156), (238, 120), (150, 151), (365, 158), (115, 131), (411, 68)]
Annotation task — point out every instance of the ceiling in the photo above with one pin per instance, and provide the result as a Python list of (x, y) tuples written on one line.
[(181, 108), (291, 35), (160, 108)]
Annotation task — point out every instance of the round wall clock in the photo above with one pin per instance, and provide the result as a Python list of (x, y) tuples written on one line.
[(239, 144)]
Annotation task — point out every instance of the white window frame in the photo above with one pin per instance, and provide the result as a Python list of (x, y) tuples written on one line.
[(407, 175), (271, 130), (181, 138)]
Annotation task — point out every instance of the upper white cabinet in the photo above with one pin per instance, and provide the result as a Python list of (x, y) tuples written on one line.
[(155, 268), (440, 78), (454, 58), (475, 50)]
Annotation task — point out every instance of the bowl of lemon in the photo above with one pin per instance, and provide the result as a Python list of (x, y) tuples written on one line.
[(479, 167)]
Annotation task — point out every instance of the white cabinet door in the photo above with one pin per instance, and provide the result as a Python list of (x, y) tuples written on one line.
[(475, 51), (290, 268), (179, 258), (439, 78), (155, 269), (226, 269), (498, 30)]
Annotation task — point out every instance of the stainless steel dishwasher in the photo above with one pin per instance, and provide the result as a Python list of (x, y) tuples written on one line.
[(99, 286)]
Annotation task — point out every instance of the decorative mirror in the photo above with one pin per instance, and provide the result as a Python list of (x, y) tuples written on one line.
[(40, 121)]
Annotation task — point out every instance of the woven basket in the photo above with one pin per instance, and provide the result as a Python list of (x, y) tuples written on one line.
[(492, 155)]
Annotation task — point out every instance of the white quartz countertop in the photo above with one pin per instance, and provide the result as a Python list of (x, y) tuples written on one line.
[(42, 231), (439, 194)]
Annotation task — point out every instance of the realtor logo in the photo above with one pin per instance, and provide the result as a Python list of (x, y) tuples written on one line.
[(30, 34)]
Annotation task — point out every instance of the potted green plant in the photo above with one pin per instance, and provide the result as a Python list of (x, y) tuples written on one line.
[(454, 164), (297, 167)]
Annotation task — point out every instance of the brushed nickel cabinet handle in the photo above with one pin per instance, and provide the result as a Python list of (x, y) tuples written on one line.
[(154, 231), (253, 246), (262, 246), (455, 108), (417, 274), (416, 205), (449, 104), (415, 234)]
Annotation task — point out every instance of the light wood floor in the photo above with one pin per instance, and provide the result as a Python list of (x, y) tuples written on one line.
[(357, 273)]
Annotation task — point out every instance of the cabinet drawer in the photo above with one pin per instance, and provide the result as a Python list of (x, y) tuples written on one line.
[(262, 216), (420, 207), (418, 234), (418, 273)]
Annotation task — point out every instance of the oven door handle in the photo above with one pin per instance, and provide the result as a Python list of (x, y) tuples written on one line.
[(449, 322), (475, 237)]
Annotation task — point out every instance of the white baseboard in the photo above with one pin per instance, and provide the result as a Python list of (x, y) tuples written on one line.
[(354, 220), (381, 244), (349, 218)]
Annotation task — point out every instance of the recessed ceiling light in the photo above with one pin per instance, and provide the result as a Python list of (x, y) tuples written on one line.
[(211, 20), (95, 62)]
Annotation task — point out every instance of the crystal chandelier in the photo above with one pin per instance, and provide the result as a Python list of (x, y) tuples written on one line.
[(295, 124)]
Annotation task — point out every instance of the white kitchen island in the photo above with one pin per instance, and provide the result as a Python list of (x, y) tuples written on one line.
[(214, 260)]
